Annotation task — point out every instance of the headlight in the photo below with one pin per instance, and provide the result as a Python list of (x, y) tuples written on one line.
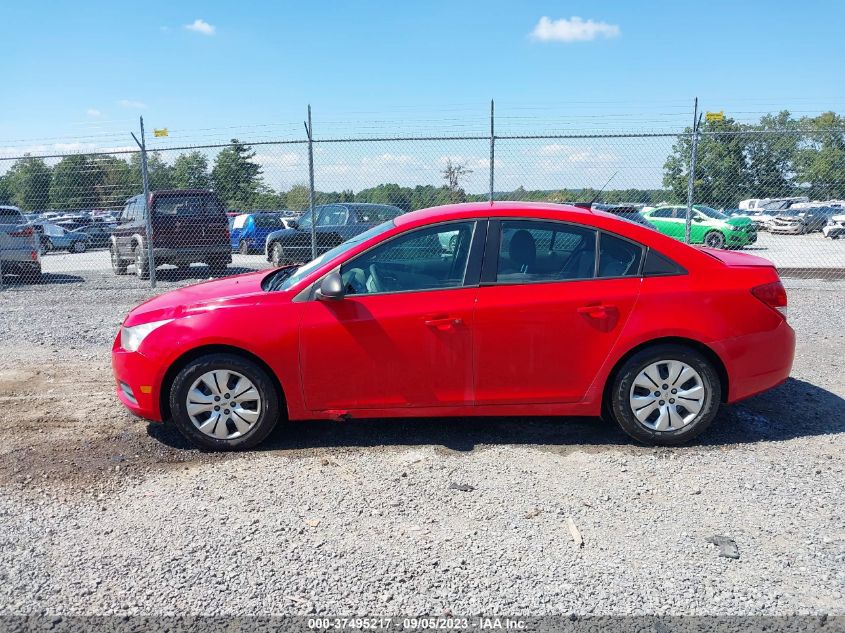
[(132, 337)]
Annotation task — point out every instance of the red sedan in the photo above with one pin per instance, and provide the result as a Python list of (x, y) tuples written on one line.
[(507, 308)]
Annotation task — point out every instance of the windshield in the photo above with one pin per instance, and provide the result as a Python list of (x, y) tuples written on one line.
[(269, 221), (710, 212), (303, 271)]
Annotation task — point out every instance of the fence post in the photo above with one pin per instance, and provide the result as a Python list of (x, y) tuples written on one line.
[(2, 284), (691, 184), (148, 229), (492, 147), (311, 184)]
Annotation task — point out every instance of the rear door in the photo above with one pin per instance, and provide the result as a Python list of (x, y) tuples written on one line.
[(549, 311), (185, 220)]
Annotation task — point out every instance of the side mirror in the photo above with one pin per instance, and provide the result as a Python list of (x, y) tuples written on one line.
[(696, 218), (331, 288)]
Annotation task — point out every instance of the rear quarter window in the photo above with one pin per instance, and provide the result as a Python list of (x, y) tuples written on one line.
[(11, 216)]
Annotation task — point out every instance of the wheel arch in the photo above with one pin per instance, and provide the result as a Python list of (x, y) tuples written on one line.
[(177, 365), (698, 346)]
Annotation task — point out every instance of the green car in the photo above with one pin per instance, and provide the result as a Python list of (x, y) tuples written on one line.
[(709, 227)]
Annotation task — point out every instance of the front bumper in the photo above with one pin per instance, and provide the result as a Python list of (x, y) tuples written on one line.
[(192, 254), (137, 382), (833, 231), (787, 229)]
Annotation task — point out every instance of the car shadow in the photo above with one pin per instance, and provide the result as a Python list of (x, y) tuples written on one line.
[(46, 279), (197, 273), (795, 409)]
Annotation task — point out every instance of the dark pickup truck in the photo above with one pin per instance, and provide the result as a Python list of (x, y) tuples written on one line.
[(334, 223)]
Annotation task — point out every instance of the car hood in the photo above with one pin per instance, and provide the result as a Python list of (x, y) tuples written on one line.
[(739, 220), (215, 294)]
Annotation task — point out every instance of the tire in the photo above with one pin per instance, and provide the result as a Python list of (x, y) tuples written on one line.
[(243, 248), (118, 265), (142, 266), (48, 246), (206, 432), (217, 266), (277, 255), (714, 239), (680, 424), (78, 247), (33, 275)]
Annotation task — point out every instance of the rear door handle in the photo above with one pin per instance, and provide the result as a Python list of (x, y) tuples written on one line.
[(600, 311)]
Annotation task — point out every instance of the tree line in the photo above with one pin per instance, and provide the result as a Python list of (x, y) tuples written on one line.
[(779, 156)]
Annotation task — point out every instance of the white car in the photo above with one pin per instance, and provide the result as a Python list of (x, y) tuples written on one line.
[(835, 227)]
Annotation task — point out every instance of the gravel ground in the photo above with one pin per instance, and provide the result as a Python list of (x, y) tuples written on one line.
[(101, 513)]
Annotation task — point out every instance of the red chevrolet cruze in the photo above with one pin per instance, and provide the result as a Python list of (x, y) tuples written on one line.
[(507, 308)]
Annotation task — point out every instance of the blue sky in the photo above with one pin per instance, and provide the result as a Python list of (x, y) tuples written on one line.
[(79, 74)]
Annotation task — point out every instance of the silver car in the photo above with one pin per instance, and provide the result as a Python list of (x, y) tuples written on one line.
[(19, 252)]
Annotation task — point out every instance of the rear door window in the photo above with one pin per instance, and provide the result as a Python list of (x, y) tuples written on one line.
[(532, 251), (618, 257)]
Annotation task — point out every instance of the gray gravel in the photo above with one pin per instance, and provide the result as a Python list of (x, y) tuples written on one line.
[(101, 513)]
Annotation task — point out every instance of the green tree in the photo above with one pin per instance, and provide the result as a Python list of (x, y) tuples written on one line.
[(160, 174), (120, 181), (190, 171), (771, 151), (5, 190), (820, 161), (721, 173), (29, 182), (236, 178), (76, 182), (268, 199), (387, 194), (297, 198)]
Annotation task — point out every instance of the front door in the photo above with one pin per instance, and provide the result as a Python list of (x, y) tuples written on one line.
[(546, 321), (402, 335)]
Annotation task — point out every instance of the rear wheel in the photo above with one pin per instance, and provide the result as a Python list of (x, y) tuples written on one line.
[(217, 266), (714, 239), (243, 248), (666, 395), (224, 402), (47, 245), (78, 247), (32, 275)]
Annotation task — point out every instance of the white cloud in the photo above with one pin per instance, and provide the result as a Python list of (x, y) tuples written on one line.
[(93, 112), (572, 30), (201, 26), (132, 105)]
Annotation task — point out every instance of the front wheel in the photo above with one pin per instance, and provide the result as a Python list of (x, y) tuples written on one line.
[(224, 402), (277, 255), (665, 395), (78, 247), (118, 265), (142, 266), (714, 239)]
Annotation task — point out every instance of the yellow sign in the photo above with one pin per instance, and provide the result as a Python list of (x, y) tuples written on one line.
[(163, 132), (715, 116)]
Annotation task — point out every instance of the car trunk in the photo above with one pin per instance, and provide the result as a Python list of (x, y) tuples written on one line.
[(735, 258), (188, 221)]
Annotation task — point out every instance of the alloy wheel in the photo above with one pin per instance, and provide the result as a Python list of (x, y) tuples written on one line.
[(714, 240), (667, 395), (223, 404)]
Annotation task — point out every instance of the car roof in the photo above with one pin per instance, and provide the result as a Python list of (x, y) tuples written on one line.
[(486, 209)]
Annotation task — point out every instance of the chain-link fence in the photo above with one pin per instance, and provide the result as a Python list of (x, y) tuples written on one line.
[(775, 190)]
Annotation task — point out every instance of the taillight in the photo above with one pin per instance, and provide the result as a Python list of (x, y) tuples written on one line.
[(24, 232), (773, 295)]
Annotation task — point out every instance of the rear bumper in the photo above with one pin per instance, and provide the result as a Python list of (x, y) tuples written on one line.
[(757, 362), (137, 382)]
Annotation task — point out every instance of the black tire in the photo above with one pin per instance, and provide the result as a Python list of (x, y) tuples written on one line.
[(271, 409), (714, 239), (118, 265), (79, 246), (243, 248), (32, 275), (142, 266), (621, 389), (277, 254), (218, 267), (47, 245)]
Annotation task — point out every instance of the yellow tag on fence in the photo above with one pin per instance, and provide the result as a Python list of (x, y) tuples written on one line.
[(712, 116), (161, 132)]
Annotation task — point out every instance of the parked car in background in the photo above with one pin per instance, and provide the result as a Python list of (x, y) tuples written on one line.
[(771, 204), (188, 226), (19, 252), (334, 223), (802, 220), (385, 327), (99, 234), (835, 227), (761, 219), (709, 226), (626, 212), (56, 238), (249, 231)]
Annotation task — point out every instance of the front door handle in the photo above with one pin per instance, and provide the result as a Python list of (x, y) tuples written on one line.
[(598, 311)]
